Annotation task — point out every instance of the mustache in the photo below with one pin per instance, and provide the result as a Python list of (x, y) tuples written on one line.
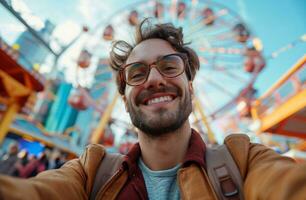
[(149, 92)]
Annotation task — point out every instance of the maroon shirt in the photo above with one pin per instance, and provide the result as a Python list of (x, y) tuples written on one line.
[(135, 186)]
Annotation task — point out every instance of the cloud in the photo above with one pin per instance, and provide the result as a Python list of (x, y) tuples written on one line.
[(21, 7), (34, 21), (66, 31), (10, 31), (91, 9)]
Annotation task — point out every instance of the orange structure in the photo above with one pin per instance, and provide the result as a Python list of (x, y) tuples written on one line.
[(16, 86), (282, 109)]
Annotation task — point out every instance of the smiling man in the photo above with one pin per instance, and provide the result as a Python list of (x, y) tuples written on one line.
[(158, 94), (154, 77)]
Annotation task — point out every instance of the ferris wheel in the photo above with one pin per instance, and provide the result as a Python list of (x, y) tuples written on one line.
[(229, 53)]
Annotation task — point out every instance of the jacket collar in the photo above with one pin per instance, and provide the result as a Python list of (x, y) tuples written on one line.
[(195, 154), (196, 150)]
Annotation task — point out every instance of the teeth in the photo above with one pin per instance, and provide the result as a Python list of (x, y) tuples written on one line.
[(160, 99)]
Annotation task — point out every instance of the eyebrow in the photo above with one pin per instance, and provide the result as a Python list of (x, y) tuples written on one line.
[(143, 61)]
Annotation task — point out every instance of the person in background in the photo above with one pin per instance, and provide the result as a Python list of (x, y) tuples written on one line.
[(8, 161), (22, 160), (24, 157), (58, 162), (34, 166)]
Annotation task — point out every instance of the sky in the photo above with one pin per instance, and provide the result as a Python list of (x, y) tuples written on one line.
[(276, 22)]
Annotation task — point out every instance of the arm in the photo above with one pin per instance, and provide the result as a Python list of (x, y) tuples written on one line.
[(266, 174), (65, 183), (72, 181), (272, 176)]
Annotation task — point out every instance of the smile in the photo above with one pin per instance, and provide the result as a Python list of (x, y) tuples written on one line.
[(159, 100)]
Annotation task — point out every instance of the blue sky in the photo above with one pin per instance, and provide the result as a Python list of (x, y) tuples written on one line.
[(277, 23)]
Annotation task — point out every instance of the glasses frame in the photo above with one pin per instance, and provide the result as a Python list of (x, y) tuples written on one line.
[(183, 56)]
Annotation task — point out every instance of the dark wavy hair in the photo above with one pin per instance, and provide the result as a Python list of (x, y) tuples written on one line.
[(121, 50)]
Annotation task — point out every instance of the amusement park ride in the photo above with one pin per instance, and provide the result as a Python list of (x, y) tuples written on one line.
[(231, 60)]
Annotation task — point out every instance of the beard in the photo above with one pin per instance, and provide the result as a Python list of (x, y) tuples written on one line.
[(163, 121)]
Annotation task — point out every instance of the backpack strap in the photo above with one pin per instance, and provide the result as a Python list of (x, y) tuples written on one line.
[(107, 168), (224, 173)]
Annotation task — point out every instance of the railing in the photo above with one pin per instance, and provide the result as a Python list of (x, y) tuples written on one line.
[(293, 82)]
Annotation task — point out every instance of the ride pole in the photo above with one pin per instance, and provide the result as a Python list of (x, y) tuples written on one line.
[(99, 131), (199, 108), (7, 119)]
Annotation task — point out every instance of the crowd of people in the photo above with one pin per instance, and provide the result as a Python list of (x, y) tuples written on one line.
[(20, 163)]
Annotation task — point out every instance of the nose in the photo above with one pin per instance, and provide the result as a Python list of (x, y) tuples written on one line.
[(155, 79)]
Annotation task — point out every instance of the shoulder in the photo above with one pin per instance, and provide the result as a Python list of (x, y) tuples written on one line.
[(249, 155), (92, 156), (96, 149), (88, 163), (237, 139), (239, 145)]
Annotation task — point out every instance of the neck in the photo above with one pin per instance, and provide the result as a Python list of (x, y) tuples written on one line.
[(166, 151)]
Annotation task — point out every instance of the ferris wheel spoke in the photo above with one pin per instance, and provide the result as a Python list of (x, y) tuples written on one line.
[(213, 64), (228, 23), (221, 37), (218, 31), (207, 101), (225, 60), (217, 60), (214, 35), (100, 86), (199, 22), (102, 71), (198, 29), (230, 74), (221, 50), (172, 9), (194, 27), (221, 69), (224, 39), (226, 43), (218, 86)]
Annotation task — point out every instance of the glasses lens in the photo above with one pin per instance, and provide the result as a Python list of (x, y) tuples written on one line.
[(171, 66), (136, 73)]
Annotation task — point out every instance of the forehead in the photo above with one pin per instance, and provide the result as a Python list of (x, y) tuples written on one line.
[(149, 50)]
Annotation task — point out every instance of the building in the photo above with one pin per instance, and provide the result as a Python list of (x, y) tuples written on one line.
[(31, 51), (61, 115)]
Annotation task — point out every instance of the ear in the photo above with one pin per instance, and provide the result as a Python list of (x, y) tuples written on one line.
[(125, 103), (190, 85)]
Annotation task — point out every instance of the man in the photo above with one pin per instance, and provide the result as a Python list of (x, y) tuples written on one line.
[(154, 77)]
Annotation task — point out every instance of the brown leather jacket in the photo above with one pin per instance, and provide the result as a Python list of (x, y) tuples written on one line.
[(266, 175)]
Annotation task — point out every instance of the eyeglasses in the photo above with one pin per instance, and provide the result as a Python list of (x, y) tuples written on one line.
[(169, 66)]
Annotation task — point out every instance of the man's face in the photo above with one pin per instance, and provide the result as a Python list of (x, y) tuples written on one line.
[(160, 105)]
